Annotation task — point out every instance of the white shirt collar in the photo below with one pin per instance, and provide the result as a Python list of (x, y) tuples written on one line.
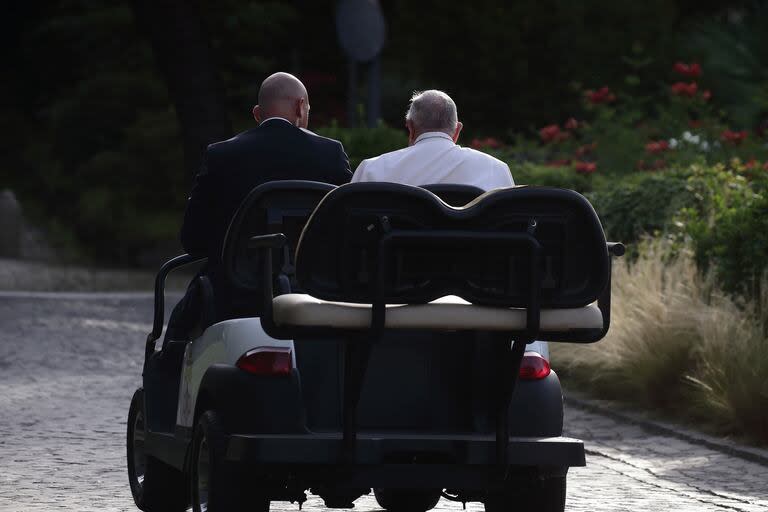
[(433, 135), (280, 118)]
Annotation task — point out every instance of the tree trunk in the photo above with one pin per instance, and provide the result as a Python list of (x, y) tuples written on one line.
[(183, 54)]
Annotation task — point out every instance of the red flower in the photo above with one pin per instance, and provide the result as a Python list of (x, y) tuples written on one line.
[(657, 147), (751, 164), (550, 133), (488, 142), (733, 137), (695, 123), (765, 166), (571, 124), (706, 95), (562, 162), (602, 95), (586, 167), (659, 163), (692, 70), (585, 149), (684, 89)]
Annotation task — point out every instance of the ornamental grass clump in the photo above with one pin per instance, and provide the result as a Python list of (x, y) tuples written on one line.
[(679, 345), (730, 386)]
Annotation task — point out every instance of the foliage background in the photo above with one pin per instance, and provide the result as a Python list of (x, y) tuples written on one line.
[(90, 137)]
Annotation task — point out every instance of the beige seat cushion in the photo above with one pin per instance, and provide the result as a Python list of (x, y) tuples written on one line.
[(446, 313)]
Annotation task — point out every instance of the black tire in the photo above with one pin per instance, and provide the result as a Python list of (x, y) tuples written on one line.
[(547, 495), (156, 486), (213, 484), (407, 500)]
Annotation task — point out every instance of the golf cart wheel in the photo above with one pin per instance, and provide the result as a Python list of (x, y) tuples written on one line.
[(213, 485), (547, 495), (156, 486), (407, 500)]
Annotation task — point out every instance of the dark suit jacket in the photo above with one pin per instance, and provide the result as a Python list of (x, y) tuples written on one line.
[(275, 150)]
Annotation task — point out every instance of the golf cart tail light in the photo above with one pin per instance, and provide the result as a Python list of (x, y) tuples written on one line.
[(534, 367), (267, 361)]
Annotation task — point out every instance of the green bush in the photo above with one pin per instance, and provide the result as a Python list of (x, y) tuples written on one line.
[(362, 143), (730, 235), (641, 204), (540, 175)]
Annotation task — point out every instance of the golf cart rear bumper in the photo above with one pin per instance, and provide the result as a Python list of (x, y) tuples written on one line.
[(374, 448), (403, 461)]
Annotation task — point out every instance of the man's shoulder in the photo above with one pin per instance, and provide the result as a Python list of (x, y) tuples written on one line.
[(234, 141), (319, 139), (389, 157), (479, 156)]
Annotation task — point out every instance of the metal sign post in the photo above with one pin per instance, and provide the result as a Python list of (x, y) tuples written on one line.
[(361, 30)]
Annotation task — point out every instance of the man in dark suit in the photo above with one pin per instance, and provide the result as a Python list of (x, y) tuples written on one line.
[(279, 148)]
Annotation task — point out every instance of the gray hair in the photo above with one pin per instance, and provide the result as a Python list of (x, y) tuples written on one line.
[(432, 111)]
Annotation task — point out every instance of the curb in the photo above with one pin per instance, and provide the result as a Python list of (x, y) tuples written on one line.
[(12, 294), (614, 411)]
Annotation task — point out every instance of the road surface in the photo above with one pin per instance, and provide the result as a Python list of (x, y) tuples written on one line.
[(70, 363)]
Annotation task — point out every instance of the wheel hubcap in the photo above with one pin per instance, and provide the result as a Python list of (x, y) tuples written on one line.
[(203, 475), (139, 449)]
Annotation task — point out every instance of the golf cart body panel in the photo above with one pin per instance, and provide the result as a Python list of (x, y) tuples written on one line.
[(223, 343), (388, 382)]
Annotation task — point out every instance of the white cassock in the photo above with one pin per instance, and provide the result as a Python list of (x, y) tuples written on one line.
[(434, 158)]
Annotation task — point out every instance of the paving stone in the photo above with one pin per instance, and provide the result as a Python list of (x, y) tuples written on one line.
[(68, 369)]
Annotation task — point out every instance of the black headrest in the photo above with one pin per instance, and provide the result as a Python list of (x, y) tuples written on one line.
[(273, 207), (462, 250), (453, 193)]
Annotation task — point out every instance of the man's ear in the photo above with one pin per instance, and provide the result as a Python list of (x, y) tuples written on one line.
[(257, 113), (300, 108), (456, 133), (411, 133)]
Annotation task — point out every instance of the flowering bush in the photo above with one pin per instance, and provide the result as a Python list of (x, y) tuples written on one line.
[(622, 132)]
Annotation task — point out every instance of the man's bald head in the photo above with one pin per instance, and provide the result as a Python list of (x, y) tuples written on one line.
[(432, 111), (283, 95)]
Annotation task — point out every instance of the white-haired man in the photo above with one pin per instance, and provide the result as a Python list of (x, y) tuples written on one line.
[(432, 155)]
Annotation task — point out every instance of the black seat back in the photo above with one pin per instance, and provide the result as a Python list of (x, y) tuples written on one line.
[(425, 249), (455, 194), (274, 207)]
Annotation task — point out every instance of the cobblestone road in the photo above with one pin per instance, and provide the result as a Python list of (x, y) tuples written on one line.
[(69, 365)]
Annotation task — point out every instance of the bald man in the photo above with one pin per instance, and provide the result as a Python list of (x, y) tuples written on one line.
[(279, 148), (432, 155)]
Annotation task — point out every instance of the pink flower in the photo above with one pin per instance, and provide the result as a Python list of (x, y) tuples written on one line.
[(692, 70), (488, 142), (602, 95), (571, 124), (733, 137), (562, 162), (550, 133), (657, 147), (684, 89), (586, 167), (586, 149)]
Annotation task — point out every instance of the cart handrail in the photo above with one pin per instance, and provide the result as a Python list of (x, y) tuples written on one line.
[(159, 306)]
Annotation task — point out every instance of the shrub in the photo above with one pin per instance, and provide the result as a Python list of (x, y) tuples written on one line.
[(729, 227), (640, 204), (562, 177), (362, 143)]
